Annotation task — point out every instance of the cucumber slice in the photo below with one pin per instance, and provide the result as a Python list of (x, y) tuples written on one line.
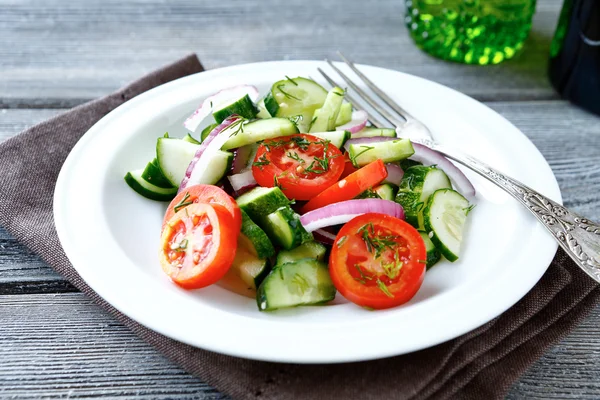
[(304, 282), (136, 182), (247, 265), (174, 156), (433, 254), (152, 174), (206, 131), (220, 164), (337, 138), (324, 118), (445, 216), (418, 183), (386, 191), (390, 151), (243, 107), (261, 201), (374, 132), (293, 97), (345, 114), (188, 138), (312, 250), (284, 228), (260, 130), (262, 110), (260, 241)]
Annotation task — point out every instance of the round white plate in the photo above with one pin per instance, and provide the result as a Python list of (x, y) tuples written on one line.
[(111, 234)]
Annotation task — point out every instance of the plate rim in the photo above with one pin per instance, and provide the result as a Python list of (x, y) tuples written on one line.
[(60, 220)]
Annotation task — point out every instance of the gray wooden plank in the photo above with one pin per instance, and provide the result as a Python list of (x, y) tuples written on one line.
[(65, 52), (56, 346)]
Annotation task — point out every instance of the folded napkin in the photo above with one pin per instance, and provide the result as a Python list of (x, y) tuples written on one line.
[(481, 364)]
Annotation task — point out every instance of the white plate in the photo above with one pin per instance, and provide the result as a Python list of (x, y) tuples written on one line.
[(111, 234)]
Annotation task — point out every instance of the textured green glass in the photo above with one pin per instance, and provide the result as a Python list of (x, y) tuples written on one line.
[(470, 31)]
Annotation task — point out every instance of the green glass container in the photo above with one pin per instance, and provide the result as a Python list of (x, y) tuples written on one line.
[(470, 31)]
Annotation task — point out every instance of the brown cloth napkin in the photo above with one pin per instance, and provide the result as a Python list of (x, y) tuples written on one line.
[(479, 365)]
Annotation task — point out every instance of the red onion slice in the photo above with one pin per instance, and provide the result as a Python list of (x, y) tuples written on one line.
[(395, 174), (241, 158), (344, 211), (242, 182), (426, 156), (321, 235), (212, 143), (216, 101), (358, 122)]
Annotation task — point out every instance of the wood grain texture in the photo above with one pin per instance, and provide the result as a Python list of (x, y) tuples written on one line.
[(55, 53), (58, 346)]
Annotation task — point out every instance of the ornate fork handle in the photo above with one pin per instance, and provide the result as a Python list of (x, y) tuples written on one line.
[(578, 236)]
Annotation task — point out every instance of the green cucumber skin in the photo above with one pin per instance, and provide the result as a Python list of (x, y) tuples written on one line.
[(337, 138), (437, 242), (410, 193), (345, 114), (388, 151), (206, 131), (261, 242), (433, 254), (189, 138), (139, 189), (258, 210), (278, 233), (271, 104), (312, 250), (153, 174), (386, 191), (324, 118), (281, 290), (243, 107), (261, 129), (375, 132), (406, 164)]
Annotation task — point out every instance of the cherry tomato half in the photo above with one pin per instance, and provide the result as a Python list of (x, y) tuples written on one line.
[(198, 245), (377, 261), (301, 165), (204, 194)]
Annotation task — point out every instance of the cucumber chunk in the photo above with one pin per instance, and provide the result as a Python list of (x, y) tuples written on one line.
[(284, 228), (406, 164), (418, 183), (312, 250), (152, 174), (433, 254), (220, 164), (337, 138), (262, 110), (261, 201), (390, 151), (251, 268), (386, 191), (304, 282), (148, 190), (260, 241), (445, 216), (206, 131), (345, 114), (324, 118), (260, 130), (174, 156), (295, 96), (243, 107), (190, 139), (374, 132)]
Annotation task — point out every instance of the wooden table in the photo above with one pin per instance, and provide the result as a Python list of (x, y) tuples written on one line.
[(55, 54)]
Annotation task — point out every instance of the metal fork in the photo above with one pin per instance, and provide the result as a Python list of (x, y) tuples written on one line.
[(577, 235)]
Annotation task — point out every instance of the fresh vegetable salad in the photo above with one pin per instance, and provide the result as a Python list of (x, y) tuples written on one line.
[(294, 197)]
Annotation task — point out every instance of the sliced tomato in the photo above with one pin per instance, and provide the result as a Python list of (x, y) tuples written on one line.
[(198, 245), (378, 261), (301, 165), (204, 194), (349, 187)]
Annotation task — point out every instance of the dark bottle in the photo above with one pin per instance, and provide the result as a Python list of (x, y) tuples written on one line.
[(574, 66)]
